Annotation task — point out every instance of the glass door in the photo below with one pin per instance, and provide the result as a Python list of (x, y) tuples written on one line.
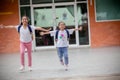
[(43, 16), (82, 18), (66, 14), (73, 15)]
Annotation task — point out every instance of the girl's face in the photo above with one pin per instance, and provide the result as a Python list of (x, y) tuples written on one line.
[(61, 25), (24, 20)]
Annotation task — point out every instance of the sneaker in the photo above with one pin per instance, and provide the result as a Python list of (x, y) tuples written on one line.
[(30, 68), (66, 67), (22, 68)]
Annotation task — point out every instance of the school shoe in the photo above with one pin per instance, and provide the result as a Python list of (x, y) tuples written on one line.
[(66, 67), (30, 68), (22, 68)]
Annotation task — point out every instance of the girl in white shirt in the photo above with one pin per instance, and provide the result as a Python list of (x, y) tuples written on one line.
[(26, 36), (62, 42)]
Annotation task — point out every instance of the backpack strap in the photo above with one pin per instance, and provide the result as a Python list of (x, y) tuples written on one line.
[(56, 35), (68, 35), (19, 28), (30, 29)]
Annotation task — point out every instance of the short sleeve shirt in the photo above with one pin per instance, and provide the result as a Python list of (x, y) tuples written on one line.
[(25, 35)]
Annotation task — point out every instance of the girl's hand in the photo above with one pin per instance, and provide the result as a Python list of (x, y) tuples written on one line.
[(80, 28), (9, 26), (42, 33), (49, 29), (1, 26)]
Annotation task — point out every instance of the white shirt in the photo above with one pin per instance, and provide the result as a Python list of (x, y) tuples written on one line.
[(25, 35), (62, 40)]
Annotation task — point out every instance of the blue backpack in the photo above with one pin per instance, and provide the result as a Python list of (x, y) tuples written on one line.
[(56, 35), (28, 28)]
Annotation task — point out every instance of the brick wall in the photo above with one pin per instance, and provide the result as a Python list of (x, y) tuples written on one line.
[(9, 41), (9, 15), (103, 33)]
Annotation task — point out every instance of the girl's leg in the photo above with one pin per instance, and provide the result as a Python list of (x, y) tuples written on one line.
[(29, 49), (22, 50), (60, 55), (65, 51)]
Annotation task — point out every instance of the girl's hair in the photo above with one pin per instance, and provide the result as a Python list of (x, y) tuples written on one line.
[(26, 17), (59, 24)]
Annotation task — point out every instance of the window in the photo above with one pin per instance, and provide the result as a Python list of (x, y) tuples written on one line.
[(26, 11), (107, 10), (83, 20)]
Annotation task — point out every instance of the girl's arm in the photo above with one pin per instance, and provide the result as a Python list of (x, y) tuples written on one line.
[(80, 28), (52, 33), (43, 33), (42, 29), (74, 29), (9, 26)]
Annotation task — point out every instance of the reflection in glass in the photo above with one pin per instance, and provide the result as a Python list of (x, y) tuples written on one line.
[(83, 21), (66, 14), (43, 17), (26, 11)]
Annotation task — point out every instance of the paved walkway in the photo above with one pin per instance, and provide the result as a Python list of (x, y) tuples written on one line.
[(86, 78), (85, 64)]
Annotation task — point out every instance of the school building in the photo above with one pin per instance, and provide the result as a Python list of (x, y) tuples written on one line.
[(100, 20)]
